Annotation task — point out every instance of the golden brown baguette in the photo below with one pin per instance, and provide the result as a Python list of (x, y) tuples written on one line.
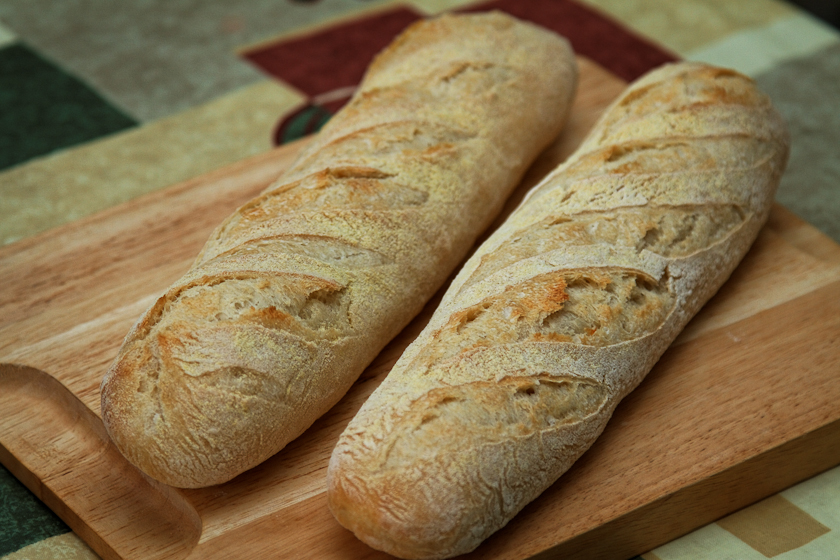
[(561, 313), (298, 290)]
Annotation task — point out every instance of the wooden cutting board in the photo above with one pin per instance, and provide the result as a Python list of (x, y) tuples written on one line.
[(744, 404)]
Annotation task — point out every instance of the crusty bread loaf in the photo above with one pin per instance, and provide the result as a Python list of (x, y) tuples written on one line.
[(298, 290), (561, 313)]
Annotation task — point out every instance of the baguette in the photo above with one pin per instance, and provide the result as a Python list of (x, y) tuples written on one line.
[(298, 290), (561, 313)]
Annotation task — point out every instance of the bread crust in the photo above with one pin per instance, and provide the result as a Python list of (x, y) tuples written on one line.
[(299, 289), (561, 313)]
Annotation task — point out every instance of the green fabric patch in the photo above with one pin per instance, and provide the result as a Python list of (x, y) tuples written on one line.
[(42, 108), (307, 121), (24, 519)]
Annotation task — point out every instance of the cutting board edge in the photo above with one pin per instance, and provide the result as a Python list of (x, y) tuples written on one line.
[(813, 453)]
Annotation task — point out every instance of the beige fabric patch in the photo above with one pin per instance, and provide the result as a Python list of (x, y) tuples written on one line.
[(819, 496), (70, 184), (61, 547), (709, 542), (690, 24), (773, 526), (325, 22), (432, 7), (758, 50)]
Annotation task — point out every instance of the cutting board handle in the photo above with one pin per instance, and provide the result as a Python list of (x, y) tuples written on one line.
[(65, 451)]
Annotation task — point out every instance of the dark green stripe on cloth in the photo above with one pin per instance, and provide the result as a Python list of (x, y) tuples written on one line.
[(42, 108), (24, 519)]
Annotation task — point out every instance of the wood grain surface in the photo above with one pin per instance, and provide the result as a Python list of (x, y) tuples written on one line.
[(742, 405)]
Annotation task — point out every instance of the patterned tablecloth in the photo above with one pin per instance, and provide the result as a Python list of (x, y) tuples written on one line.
[(101, 102)]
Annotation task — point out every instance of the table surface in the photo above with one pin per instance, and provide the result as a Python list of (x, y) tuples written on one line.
[(100, 110)]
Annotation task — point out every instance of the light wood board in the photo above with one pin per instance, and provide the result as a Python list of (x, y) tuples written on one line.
[(744, 404)]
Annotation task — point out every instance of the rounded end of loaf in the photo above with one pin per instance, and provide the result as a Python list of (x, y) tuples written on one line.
[(391, 514), (197, 406), (398, 495), (544, 61), (145, 436), (432, 475), (465, 34), (181, 446)]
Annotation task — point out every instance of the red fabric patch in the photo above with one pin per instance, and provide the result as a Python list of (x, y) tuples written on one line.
[(332, 60), (335, 57), (591, 33)]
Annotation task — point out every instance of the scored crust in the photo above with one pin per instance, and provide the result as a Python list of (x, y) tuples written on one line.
[(299, 289), (561, 313)]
